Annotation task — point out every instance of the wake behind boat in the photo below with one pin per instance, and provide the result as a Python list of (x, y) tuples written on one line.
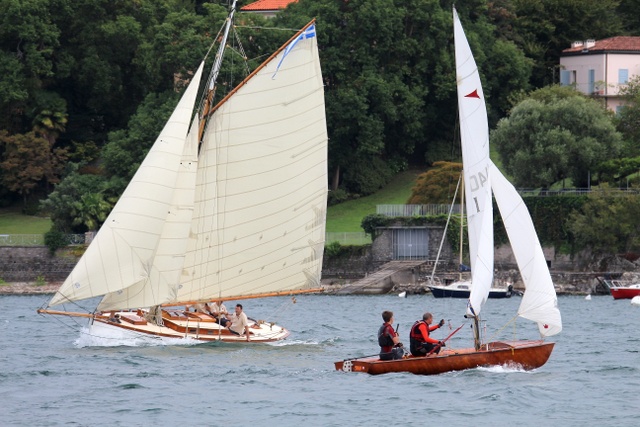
[(229, 204), (481, 179)]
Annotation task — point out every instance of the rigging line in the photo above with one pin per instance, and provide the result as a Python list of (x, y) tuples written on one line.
[(513, 319), (241, 50), (284, 307), (444, 234), (72, 302), (77, 328), (267, 28)]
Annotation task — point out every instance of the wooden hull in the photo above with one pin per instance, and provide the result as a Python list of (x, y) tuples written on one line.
[(177, 324), (624, 293), (443, 292), (524, 354)]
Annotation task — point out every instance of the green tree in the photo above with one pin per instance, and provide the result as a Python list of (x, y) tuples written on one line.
[(628, 13), (390, 79), (608, 222), (544, 28), (542, 142), (59, 204), (437, 185), (91, 210), (28, 39), (26, 161), (628, 118), (127, 148), (619, 172)]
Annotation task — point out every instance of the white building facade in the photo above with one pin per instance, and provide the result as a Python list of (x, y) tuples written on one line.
[(600, 68)]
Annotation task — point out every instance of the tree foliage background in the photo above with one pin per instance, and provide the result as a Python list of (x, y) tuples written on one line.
[(95, 79), (556, 133)]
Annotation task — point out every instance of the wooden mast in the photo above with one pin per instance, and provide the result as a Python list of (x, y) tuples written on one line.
[(215, 70)]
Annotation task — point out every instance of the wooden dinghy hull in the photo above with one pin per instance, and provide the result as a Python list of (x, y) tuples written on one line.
[(527, 355)]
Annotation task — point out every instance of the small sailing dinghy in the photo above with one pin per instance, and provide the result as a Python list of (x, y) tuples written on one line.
[(229, 204), (481, 177)]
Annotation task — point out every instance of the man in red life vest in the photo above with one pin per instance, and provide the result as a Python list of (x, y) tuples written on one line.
[(390, 345), (420, 341)]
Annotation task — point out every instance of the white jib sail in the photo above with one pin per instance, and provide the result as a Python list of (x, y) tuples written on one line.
[(259, 219), (474, 134), (162, 283), (539, 302), (123, 251)]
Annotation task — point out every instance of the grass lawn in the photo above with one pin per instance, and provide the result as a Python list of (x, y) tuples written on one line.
[(12, 221), (347, 216)]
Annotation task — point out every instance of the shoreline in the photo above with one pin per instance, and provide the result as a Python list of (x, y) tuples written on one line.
[(27, 288)]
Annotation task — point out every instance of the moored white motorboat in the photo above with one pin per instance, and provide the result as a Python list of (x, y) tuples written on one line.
[(463, 290)]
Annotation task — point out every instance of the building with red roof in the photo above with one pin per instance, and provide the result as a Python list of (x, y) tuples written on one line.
[(268, 8), (601, 67)]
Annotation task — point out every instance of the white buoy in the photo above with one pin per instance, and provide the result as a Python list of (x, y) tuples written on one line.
[(588, 297), (402, 294), (635, 300)]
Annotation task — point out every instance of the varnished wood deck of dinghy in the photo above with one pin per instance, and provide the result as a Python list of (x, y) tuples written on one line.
[(525, 354)]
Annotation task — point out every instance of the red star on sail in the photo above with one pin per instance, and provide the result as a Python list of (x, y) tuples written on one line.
[(473, 94)]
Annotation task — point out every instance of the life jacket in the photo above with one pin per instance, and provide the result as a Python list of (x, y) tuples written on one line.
[(415, 336), (384, 338)]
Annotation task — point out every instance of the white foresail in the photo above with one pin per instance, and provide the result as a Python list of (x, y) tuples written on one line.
[(539, 302), (474, 133), (125, 252), (162, 284), (259, 218)]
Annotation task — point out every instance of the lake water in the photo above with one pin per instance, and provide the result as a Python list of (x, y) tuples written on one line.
[(52, 374)]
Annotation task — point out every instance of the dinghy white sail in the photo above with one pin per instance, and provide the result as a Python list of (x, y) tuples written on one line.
[(229, 204), (481, 178)]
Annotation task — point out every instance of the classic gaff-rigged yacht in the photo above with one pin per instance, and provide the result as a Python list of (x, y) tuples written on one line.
[(229, 204), (481, 178)]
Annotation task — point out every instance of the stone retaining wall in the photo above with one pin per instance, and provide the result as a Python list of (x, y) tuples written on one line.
[(34, 263)]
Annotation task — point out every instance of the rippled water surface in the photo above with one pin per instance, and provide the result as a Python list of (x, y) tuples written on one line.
[(53, 374)]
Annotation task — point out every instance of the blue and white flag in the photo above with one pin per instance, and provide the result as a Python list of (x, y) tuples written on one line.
[(310, 32)]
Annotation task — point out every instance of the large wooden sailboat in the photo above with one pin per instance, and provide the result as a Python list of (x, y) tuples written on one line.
[(229, 204), (481, 178)]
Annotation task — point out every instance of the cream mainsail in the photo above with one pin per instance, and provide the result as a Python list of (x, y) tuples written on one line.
[(261, 192), (243, 213)]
